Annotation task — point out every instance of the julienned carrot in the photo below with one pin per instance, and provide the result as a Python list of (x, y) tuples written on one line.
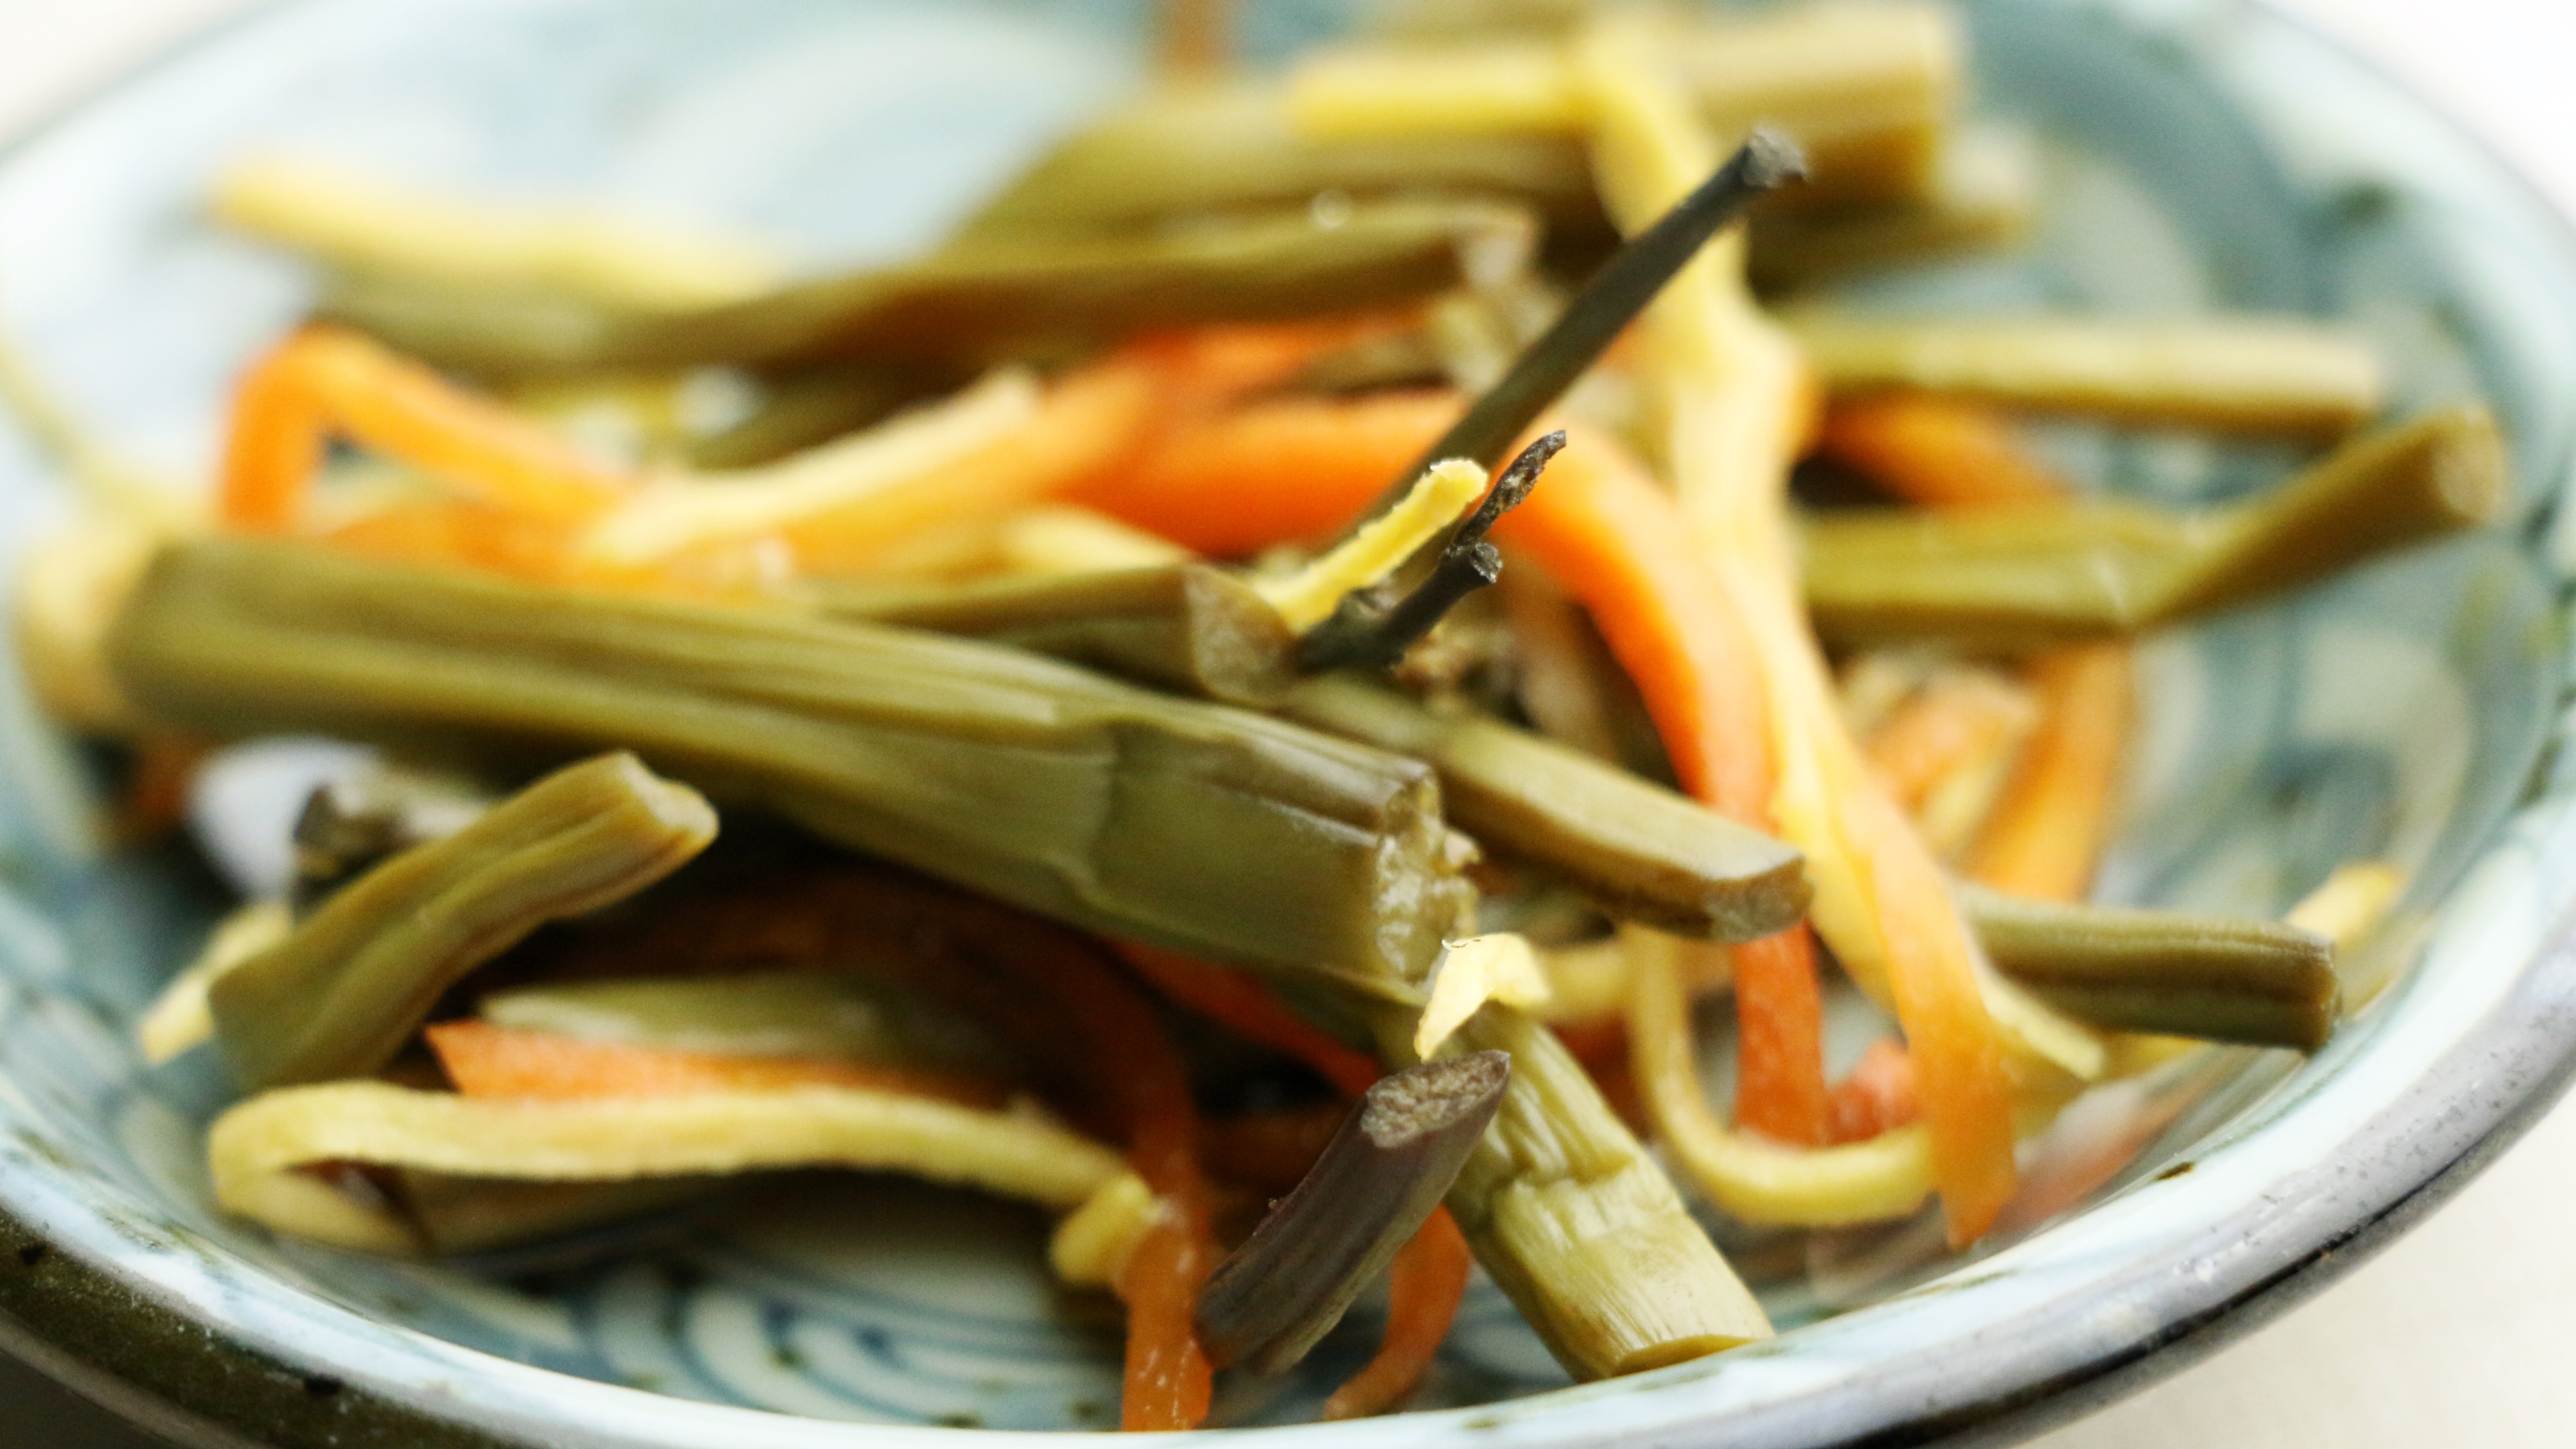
[(1424, 1286), (485, 1060), (1216, 366), (1932, 976), (1168, 1381), (1430, 1273), (274, 445), (1939, 452), (1878, 1096), (1246, 1007), (1739, 399), (1612, 538), (325, 380), (1620, 546), (1779, 1040), (2046, 833), (1284, 470)]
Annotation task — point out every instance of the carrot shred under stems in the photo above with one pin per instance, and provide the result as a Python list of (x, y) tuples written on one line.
[(1169, 1381), (324, 379), (2044, 837), (1424, 1285), (1280, 470), (1939, 452)]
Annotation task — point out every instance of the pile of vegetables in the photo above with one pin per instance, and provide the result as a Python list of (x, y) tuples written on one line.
[(1125, 615)]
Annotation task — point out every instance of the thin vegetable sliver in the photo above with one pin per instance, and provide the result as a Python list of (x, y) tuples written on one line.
[(255, 1147)]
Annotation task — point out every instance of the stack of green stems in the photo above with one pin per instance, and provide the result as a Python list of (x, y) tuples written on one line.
[(1200, 827)]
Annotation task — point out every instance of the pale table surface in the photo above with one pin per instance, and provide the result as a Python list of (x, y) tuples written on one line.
[(2461, 1334)]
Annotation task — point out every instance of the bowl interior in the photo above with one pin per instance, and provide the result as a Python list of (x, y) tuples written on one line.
[(2197, 156)]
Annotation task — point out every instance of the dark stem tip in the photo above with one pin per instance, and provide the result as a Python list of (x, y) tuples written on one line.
[(1435, 1096), (1770, 158)]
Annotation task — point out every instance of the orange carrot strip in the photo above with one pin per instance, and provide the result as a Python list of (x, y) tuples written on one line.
[(1621, 547), (1215, 366), (329, 379), (1168, 1380), (485, 1060), (1246, 1007), (1957, 1052), (464, 439), (274, 445), (1617, 542), (1958, 716), (2044, 837), (1424, 1286), (1169, 1383), (1878, 1096), (1290, 469), (1936, 451), (1780, 1040)]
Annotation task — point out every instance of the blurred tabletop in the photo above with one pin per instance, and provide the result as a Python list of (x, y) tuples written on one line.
[(2459, 1334)]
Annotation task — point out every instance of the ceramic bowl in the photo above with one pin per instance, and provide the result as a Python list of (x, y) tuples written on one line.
[(2199, 154)]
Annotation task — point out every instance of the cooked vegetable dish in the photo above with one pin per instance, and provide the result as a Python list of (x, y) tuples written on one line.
[(1344, 564)]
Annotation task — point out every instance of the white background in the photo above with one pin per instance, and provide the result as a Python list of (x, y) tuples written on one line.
[(2463, 1334)]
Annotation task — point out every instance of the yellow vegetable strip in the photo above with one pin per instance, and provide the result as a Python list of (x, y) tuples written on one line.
[(2351, 903), (1735, 402), (179, 1019), (1062, 538), (1475, 90), (363, 223), (1500, 967), (69, 588), (1438, 499), (1887, 1176), (2044, 836), (680, 514), (254, 1148), (1090, 1248)]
